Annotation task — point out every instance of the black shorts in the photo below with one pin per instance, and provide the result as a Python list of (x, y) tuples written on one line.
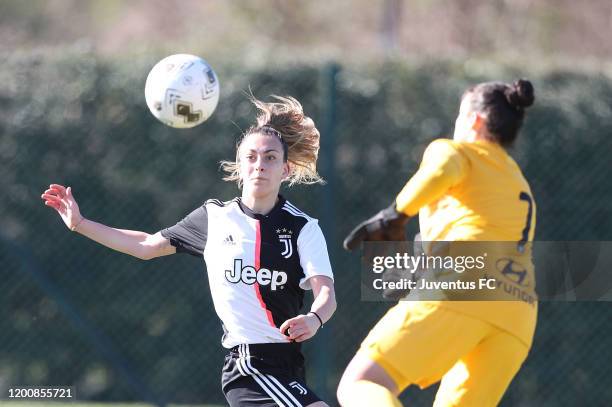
[(266, 374)]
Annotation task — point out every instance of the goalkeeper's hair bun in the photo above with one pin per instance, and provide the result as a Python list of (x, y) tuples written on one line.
[(284, 118), (503, 107), (520, 94)]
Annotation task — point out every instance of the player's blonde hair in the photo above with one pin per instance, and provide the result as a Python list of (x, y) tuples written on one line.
[(286, 120)]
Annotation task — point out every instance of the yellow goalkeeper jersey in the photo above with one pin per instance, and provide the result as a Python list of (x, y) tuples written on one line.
[(474, 191)]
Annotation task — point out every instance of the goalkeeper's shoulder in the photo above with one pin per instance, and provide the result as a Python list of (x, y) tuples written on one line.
[(448, 155), (444, 146)]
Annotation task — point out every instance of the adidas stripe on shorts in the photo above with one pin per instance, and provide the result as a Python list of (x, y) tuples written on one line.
[(267, 374)]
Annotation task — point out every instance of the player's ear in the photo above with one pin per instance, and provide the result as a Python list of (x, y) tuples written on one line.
[(476, 121), (286, 170)]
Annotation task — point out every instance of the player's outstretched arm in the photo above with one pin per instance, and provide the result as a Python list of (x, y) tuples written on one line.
[(135, 243), (386, 225), (304, 327)]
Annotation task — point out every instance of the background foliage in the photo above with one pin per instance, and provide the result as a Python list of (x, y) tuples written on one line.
[(74, 313)]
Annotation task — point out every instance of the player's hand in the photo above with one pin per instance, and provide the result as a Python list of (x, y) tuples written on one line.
[(300, 328), (60, 198), (386, 225)]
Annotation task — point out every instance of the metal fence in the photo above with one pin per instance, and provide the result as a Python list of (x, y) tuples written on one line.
[(117, 328)]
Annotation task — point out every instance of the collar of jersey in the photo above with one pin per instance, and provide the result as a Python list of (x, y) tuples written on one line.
[(249, 212)]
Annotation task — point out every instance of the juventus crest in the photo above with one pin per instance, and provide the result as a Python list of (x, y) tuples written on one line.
[(285, 238)]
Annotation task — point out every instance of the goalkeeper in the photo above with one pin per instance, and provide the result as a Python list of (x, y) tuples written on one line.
[(466, 189)]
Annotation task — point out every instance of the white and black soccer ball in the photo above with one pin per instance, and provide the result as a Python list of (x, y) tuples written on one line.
[(182, 91)]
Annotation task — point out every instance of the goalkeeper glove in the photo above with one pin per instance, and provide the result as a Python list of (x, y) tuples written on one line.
[(386, 225)]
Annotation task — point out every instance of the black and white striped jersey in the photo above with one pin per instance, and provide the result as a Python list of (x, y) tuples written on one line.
[(258, 265)]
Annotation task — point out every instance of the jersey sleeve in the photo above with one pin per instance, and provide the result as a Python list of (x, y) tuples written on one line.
[(312, 249), (190, 234), (443, 167)]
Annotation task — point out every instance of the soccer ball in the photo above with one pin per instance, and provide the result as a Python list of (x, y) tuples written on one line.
[(182, 91)]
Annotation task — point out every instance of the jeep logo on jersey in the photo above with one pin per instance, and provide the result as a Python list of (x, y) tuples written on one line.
[(249, 275), (285, 239)]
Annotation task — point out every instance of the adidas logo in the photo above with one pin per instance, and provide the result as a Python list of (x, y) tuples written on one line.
[(229, 240)]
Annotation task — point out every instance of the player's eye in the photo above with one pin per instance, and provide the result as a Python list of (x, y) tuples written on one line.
[(271, 158)]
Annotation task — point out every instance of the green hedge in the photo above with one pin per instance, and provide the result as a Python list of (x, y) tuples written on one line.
[(82, 121)]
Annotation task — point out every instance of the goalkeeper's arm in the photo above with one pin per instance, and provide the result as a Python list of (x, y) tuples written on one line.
[(442, 167)]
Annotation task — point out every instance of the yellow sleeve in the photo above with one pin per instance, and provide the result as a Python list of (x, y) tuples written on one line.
[(443, 167)]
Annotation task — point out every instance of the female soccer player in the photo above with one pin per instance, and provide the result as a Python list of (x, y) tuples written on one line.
[(466, 189), (261, 254)]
